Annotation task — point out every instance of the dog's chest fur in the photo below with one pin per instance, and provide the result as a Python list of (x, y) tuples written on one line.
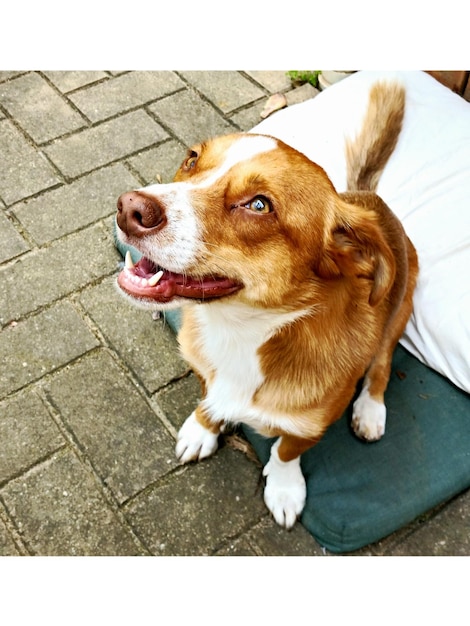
[(228, 340)]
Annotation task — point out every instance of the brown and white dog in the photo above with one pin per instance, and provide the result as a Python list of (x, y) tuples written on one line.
[(291, 292)]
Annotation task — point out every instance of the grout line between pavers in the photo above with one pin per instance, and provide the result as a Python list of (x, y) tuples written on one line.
[(62, 450), (120, 160), (87, 318), (16, 74), (103, 79), (243, 535), (45, 377), (87, 122), (94, 125), (75, 447), (65, 182), (253, 81), (141, 389), (10, 524), (148, 396), (37, 194), (244, 107), (114, 353), (153, 403), (192, 88), (85, 463), (38, 461), (36, 146), (159, 482), (65, 99), (99, 221), (21, 230), (172, 136), (67, 297), (119, 360), (132, 170)]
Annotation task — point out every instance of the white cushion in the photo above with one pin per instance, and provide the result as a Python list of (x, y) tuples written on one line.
[(426, 183)]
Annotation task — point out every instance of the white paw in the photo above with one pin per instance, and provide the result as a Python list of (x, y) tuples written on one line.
[(194, 441), (368, 420), (285, 492)]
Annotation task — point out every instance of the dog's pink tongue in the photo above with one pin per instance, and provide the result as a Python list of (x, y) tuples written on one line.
[(143, 280), (138, 286), (187, 287)]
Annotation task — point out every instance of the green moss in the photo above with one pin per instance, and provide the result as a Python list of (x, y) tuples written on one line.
[(304, 76)]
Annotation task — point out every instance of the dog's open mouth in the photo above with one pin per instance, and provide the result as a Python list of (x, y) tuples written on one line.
[(145, 280)]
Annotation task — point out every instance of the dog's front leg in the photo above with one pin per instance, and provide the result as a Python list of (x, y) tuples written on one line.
[(285, 492), (197, 438)]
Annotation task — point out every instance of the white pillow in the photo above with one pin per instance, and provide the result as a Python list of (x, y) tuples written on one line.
[(426, 183)]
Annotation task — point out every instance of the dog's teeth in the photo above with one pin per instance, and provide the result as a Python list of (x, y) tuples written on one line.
[(128, 261), (155, 278)]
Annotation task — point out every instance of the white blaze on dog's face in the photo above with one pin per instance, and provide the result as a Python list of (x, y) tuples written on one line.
[(235, 223)]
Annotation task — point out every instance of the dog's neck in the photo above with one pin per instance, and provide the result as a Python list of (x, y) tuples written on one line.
[(237, 321)]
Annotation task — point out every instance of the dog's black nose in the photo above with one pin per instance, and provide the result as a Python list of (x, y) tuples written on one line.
[(138, 214)]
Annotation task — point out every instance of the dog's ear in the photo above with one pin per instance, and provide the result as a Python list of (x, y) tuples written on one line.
[(356, 248)]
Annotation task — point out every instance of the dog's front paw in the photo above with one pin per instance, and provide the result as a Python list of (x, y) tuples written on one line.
[(285, 492), (194, 441), (368, 420)]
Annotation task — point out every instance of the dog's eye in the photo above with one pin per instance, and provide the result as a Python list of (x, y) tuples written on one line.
[(259, 205), (190, 161)]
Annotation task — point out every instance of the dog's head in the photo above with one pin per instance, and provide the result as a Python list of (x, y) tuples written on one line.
[(248, 218)]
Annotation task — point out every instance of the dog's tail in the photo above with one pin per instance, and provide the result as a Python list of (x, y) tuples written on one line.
[(368, 153)]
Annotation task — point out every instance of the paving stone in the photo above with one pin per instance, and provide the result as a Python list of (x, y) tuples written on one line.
[(226, 90), (273, 81), (190, 118), (163, 161), (126, 443), (27, 432), (11, 242), (60, 511), (301, 94), (249, 117), (38, 108), (70, 207), (124, 92), (195, 510), (7, 75), (238, 547), (7, 544), (41, 344), (69, 80), (41, 276), (269, 539), (446, 534), (24, 171), (107, 142), (179, 399), (148, 346)]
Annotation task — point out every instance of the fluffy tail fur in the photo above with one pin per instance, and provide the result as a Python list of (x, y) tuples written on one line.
[(368, 153)]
